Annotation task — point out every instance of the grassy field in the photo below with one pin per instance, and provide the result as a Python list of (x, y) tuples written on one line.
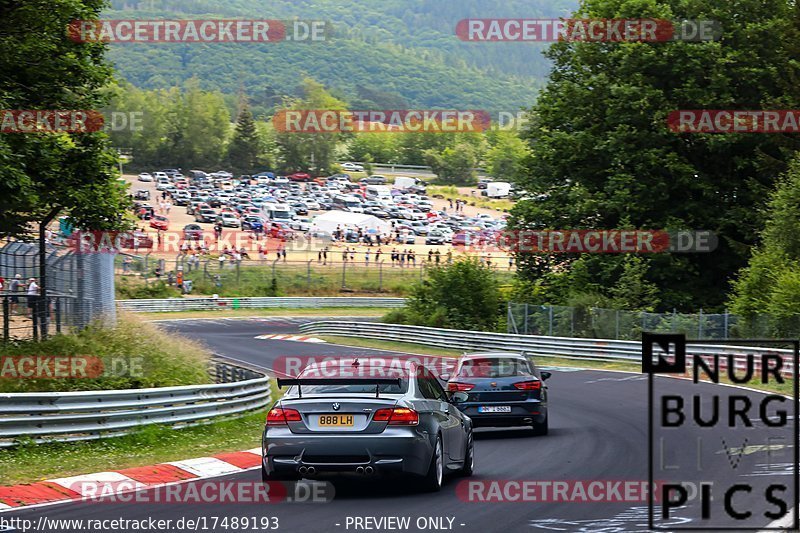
[(294, 279), (244, 313), (449, 192)]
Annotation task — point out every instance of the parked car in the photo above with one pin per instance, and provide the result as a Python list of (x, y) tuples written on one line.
[(228, 220), (435, 237), (144, 176), (299, 176), (141, 194), (206, 215), (145, 212), (192, 232), (159, 222), (376, 179), (252, 223), (352, 167)]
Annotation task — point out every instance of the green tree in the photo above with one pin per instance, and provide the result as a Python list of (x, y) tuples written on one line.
[(463, 295), (769, 283), (504, 160), (46, 174), (246, 147), (603, 157), (454, 165), (309, 152)]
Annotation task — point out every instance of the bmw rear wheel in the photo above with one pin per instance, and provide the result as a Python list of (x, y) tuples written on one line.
[(469, 457), (432, 481)]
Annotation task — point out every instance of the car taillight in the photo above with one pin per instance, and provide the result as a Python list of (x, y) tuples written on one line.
[(398, 416), (529, 385), (454, 386), (279, 417)]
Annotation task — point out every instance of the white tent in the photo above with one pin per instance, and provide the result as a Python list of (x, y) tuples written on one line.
[(329, 221)]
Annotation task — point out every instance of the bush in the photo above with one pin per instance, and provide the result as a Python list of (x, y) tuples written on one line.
[(463, 295), (143, 355), (127, 289)]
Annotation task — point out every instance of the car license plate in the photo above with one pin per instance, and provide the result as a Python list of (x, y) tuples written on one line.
[(336, 420), (494, 409)]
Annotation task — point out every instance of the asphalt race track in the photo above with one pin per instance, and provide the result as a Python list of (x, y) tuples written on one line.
[(598, 431)]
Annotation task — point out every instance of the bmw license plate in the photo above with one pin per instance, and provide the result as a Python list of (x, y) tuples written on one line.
[(494, 409), (336, 421)]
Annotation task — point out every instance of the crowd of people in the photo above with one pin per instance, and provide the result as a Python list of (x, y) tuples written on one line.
[(18, 290)]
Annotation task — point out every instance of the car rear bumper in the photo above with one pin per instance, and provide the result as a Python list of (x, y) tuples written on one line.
[(522, 414), (396, 451)]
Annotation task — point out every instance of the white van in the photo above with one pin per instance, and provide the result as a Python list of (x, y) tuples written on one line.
[(373, 192), (402, 182), (276, 212), (348, 202)]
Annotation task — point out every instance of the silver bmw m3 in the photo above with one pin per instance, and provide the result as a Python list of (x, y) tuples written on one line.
[(364, 418)]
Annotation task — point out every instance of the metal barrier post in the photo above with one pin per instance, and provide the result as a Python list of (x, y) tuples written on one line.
[(6, 319), (58, 315), (35, 319)]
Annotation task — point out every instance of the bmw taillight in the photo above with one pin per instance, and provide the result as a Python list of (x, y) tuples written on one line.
[(279, 417), (398, 416), (454, 386), (528, 385)]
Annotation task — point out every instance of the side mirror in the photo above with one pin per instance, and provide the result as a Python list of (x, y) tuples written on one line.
[(546, 375), (458, 397)]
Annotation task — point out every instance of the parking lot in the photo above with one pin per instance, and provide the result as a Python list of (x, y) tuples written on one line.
[(274, 210)]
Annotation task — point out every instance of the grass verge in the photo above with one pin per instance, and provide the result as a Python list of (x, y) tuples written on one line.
[(131, 355), (154, 444)]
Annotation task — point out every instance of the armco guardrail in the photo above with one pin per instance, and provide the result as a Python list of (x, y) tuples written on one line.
[(564, 347), (205, 304), (74, 416)]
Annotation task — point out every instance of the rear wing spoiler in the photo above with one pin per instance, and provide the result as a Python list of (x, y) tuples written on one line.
[(289, 382)]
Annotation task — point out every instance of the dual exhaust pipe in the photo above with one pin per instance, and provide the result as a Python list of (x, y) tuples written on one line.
[(310, 470)]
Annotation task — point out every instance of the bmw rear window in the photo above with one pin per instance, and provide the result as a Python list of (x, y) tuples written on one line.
[(365, 388)]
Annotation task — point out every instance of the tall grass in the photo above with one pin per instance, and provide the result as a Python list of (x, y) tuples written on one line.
[(135, 354)]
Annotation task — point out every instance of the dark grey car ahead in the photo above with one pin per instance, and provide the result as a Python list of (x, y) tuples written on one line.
[(401, 422)]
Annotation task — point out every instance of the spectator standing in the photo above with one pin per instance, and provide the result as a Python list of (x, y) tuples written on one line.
[(33, 293), (15, 287), (366, 257)]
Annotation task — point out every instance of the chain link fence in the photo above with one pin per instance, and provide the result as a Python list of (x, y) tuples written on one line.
[(338, 272), (80, 288), (598, 323)]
